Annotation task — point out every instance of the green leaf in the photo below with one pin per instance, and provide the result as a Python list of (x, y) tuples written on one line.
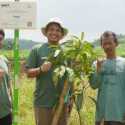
[(57, 52), (62, 71), (79, 101), (93, 99), (71, 74)]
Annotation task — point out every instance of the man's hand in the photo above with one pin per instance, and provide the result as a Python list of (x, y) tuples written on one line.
[(34, 72), (45, 67), (99, 64)]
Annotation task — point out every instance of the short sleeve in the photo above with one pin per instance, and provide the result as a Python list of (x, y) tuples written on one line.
[(31, 61)]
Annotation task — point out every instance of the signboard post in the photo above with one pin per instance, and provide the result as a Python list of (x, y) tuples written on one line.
[(17, 15), (16, 77)]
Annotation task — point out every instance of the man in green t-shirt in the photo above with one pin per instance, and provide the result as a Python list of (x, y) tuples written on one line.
[(46, 94), (109, 79), (5, 88)]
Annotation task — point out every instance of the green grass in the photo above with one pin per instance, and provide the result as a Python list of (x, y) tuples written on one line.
[(26, 96), (26, 99), (26, 113), (87, 112), (25, 53), (10, 54)]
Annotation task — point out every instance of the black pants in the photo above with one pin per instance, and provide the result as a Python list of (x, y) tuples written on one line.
[(7, 120), (110, 123)]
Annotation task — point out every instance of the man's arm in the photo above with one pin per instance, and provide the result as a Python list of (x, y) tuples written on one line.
[(95, 77), (34, 72), (2, 72)]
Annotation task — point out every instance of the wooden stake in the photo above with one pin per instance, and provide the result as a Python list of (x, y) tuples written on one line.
[(60, 107)]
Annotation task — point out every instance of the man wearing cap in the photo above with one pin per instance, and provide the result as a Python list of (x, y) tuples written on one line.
[(5, 88), (109, 79), (46, 94)]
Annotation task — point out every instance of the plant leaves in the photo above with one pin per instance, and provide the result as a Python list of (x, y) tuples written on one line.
[(79, 101)]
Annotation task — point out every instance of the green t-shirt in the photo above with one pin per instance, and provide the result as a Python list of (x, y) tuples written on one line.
[(110, 83), (46, 94), (5, 98)]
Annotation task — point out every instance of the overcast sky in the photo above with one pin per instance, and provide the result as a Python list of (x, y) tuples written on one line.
[(91, 16)]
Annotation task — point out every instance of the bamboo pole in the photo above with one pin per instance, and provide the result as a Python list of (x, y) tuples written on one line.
[(16, 76), (60, 107)]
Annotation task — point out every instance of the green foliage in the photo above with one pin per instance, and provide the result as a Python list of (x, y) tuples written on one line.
[(26, 111), (81, 53), (23, 44), (79, 101), (10, 55), (27, 88), (74, 60)]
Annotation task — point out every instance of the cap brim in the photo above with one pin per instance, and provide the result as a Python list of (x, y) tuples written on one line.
[(65, 30)]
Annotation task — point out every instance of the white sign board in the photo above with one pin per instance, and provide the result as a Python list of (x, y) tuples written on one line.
[(18, 15)]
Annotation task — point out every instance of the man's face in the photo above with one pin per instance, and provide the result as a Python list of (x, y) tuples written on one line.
[(1, 40), (108, 45), (54, 33)]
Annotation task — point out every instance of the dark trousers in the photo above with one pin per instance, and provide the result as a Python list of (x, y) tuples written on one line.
[(7, 120), (110, 123)]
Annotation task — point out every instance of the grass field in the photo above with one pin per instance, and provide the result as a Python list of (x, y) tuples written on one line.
[(26, 96), (26, 108)]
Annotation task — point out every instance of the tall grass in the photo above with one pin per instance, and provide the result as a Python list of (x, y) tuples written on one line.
[(26, 96), (26, 112)]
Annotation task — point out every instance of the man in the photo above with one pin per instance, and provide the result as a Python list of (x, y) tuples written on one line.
[(109, 79), (5, 88), (46, 94)]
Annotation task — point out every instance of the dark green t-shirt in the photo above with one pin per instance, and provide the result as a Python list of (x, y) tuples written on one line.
[(5, 98), (46, 94)]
